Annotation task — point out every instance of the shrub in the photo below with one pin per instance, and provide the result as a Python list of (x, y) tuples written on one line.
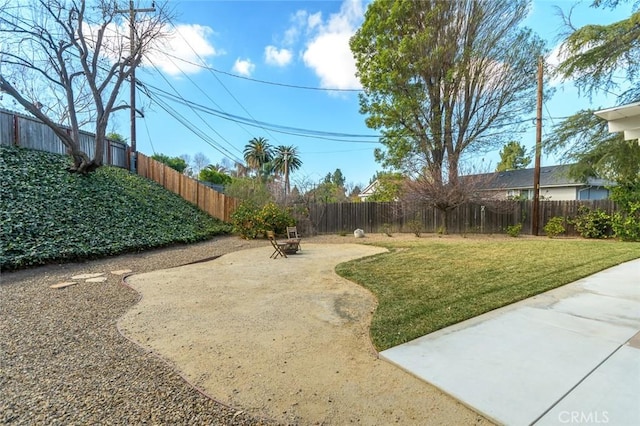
[(554, 227), (386, 228), (249, 189), (626, 225), (244, 220), (626, 222), (249, 221), (274, 218), (514, 230), (593, 223), (415, 226)]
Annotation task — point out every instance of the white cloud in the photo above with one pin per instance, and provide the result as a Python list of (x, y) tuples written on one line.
[(190, 43), (276, 57), (243, 67), (314, 20), (298, 21), (553, 60), (327, 53)]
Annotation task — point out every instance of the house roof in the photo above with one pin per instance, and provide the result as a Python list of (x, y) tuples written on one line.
[(370, 189), (550, 176)]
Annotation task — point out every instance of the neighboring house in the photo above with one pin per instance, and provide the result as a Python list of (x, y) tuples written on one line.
[(369, 190), (623, 118), (555, 185)]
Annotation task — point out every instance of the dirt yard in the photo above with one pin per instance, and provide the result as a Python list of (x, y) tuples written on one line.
[(285, 339)]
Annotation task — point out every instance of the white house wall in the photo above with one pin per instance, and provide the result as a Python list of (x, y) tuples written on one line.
[(559, 194)]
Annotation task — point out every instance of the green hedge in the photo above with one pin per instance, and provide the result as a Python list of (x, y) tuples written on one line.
[(50, 215)]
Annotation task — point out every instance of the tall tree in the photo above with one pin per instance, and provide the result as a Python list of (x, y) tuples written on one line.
[(584, 140), (285, 161), (595, 56), (513, 156), (258, 154), (338, 178), (442, 78), (389, 186), (74, 55), (200, 161)]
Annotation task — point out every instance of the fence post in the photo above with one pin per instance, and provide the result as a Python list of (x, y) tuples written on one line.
[(16, 130)]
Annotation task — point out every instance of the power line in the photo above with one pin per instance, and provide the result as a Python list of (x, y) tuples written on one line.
[(205, 94), (198, 115), (264, 125), (216, 77), (207, 139), (149, 136), (194, 130)]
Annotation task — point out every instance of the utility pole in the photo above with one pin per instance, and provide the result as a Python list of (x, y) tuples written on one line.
[(286, 176), (132, 46), (536, 172)]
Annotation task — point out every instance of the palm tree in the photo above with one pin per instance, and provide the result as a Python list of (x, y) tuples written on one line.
[(258, 153), (285, 161)]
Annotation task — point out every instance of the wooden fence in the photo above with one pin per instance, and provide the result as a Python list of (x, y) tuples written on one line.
[(21, 130), (210, 201), (492, 218), (28, 132)]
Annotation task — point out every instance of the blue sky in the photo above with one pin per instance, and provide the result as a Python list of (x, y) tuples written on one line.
[(296, 43)]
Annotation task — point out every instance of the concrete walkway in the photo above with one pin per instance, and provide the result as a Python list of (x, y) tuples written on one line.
[(568, 356)]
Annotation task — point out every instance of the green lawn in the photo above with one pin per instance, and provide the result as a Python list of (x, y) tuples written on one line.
[(426, 285)]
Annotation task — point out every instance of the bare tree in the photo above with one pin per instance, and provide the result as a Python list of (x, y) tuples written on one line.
[(75, 57), (200, 161), (188, 171), (446, 196)]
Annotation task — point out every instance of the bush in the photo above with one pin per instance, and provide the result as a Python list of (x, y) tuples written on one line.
[(249, 189), (514, 230), (275, 218), (626, 222), (415, 226), (593, 223), (386, 229), (626, 225), (250, 221), (244, 220), (554, 227)]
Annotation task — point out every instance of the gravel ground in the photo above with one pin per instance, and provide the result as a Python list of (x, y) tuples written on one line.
[(63, 361)]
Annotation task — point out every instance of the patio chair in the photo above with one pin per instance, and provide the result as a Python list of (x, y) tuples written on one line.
[(279, 248), (292, 236)]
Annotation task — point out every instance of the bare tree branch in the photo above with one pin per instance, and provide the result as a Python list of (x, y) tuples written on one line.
[(77, 55)]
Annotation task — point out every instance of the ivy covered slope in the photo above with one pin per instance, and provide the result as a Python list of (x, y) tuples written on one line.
[(50, 215)]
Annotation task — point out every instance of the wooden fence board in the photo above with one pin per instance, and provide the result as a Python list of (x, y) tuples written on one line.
[(207, 199), (492, 218), (28, 132)]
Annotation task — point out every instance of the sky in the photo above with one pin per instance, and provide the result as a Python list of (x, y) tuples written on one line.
[(235, 70)]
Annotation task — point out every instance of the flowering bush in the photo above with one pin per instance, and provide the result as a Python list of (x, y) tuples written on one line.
[(251, 221)]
